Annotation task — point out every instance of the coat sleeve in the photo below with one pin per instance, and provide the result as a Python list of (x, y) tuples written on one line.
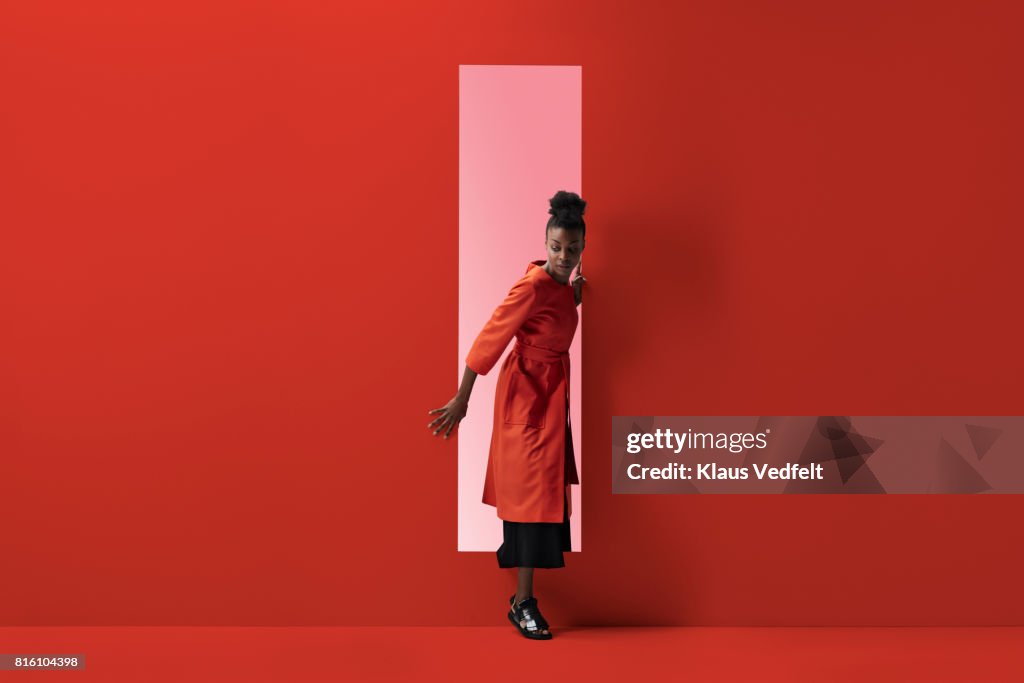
[(503, 325)]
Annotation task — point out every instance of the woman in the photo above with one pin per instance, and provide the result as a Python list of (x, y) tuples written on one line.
[(531, 463)]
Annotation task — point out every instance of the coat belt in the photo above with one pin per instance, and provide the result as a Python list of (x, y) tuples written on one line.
[(546, 356), (537, 353)]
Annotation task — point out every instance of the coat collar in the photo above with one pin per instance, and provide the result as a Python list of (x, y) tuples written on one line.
[(536, 268)]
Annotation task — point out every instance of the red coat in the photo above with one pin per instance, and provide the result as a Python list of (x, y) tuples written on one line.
[(531, 464)]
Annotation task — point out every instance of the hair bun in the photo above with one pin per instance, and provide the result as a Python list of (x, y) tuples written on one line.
[(567, 208)]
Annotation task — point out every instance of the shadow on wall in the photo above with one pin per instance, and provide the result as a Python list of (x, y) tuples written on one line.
[(664, 262)]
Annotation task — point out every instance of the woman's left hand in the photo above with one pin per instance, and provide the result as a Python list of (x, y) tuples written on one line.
[(578, 282)]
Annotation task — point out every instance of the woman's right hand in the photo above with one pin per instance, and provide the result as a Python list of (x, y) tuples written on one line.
[(450, 415)]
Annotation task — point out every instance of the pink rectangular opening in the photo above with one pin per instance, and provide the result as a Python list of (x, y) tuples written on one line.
[(520, 141)]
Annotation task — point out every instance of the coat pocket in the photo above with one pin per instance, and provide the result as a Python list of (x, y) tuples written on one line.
[(527, 402)]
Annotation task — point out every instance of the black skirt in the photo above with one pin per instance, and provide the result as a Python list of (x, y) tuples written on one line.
[(535, 544)]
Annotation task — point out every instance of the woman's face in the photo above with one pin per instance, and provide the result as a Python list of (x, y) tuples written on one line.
[(564, 247)]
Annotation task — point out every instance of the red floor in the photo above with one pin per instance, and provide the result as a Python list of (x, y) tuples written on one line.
[(298, 654)]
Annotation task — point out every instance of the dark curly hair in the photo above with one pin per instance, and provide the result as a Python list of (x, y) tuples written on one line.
[(567, 212)]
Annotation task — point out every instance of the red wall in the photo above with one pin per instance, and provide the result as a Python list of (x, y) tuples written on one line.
[(228, 291)]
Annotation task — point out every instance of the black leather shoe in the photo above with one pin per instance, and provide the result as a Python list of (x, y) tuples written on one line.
[(527, 618)]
